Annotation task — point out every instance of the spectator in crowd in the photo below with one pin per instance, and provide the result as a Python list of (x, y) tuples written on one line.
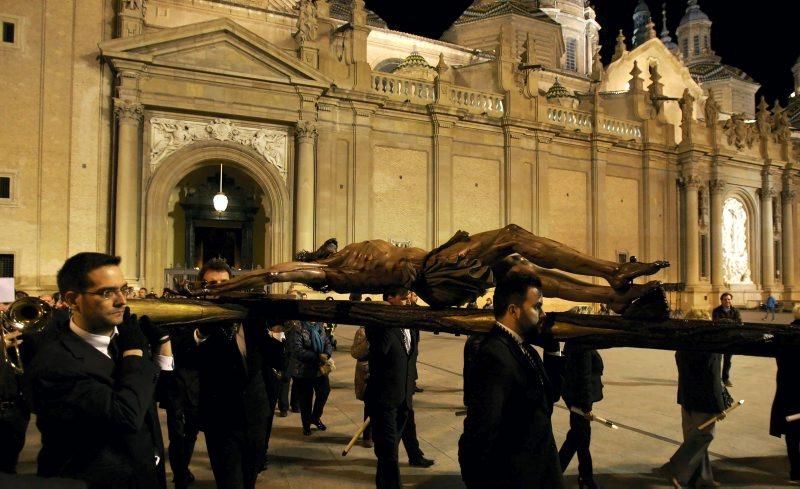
[(725, 310), (142, 293), (488, 304), (769, 308), (312, 350)]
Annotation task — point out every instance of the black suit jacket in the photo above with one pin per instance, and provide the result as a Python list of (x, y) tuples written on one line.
[(583, 374), (508, 437), (700, 381), (391, 369), (787, 395), (233, 395), (97, 420)]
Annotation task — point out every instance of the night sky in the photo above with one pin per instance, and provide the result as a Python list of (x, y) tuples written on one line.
[(761, 39)]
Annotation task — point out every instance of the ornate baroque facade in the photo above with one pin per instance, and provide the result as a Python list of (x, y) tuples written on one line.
[(346, 128)]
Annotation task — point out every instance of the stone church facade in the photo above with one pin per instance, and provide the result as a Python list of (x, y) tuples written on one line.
[(329, 124)]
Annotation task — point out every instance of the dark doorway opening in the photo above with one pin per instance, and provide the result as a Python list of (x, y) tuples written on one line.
[(219, 240)]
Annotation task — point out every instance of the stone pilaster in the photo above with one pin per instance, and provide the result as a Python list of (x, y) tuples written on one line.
[(717, 191), (692, 185), (129, 113), (767, 233), (442, 175), (305, 175), (789, 252)]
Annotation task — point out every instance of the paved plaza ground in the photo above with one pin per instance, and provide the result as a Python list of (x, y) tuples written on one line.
[(640, 393)]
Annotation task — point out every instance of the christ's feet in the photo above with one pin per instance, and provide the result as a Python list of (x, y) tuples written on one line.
[(627, 272)]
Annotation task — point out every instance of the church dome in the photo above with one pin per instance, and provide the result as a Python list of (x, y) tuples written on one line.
[(694, 14), (642, 8)]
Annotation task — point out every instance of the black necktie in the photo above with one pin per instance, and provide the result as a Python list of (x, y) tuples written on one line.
[(113, 349)]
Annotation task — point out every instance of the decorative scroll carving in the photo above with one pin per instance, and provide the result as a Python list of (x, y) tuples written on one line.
[(169, 135), (735, 252), (128, 110), (740, 134)]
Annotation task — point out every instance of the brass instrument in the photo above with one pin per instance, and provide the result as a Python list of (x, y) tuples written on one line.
[(28, 314)]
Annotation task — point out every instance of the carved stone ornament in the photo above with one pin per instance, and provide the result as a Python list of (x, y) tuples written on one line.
[(305, 130), (692, 181), (170, 135), (134, 4), (788, 195), (718, 186), (739, 133), (711, 110), (781, 127), (763, 119), (307, 25), (735, 252), (128, 110)]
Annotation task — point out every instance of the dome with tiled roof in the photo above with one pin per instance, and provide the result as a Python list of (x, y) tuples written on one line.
[(693, 13), (486, 9), (703, 72), (415, 66), (558, 91)]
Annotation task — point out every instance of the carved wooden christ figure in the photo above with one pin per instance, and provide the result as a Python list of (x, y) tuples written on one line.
[(458, 271)]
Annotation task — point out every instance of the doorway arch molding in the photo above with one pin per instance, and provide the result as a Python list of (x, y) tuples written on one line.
[(176, 166)]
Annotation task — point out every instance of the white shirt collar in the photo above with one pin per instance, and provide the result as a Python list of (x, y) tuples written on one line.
[(99, 342), (513, 334)]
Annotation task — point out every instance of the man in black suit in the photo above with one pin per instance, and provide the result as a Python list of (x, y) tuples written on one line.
[(509, 393), (725, 310), (92, 387), (701, 395), (392, 365), (233, 395)]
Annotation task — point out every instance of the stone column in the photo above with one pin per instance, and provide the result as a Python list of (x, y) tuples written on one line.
[(789, 254), (692, 226), (717, 189), (306, 133), (126, 223), (767, 234)]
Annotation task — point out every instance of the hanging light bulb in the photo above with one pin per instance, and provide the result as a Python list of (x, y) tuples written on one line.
[(220, 200)]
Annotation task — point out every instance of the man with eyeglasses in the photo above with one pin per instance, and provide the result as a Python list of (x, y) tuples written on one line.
[(92, 386)]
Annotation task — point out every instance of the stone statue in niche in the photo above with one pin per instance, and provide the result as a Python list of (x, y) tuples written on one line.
[(763, 119), (458, 271), (134, 4), (307, 24), (711, 110), (687, 114), (781, 127)]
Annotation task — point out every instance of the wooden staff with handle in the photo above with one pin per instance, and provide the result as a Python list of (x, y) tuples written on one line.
[(792, 417), (355, 437), (720, 416), (593, 417)]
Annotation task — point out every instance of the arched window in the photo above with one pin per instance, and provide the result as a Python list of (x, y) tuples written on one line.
[(572, 54), (735, 243), (388, 65)]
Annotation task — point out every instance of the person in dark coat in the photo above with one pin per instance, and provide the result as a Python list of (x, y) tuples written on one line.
[(273, 370), (92, 388), (725, 310), (701, 395), (392, 364), (179, 395), (581, 389), (787, 403), (14, 412), (311, 350), (509, 394), (233, 395)]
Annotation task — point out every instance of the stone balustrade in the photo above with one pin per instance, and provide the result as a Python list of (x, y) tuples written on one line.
[(405, 89), (618, 127), (569, 118), (478, 102)]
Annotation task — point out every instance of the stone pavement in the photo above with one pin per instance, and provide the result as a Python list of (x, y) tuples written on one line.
[(640, 393)]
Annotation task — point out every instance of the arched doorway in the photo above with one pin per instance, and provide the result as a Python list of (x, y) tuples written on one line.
[(193, 163), (736, 242), (236, 235)]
